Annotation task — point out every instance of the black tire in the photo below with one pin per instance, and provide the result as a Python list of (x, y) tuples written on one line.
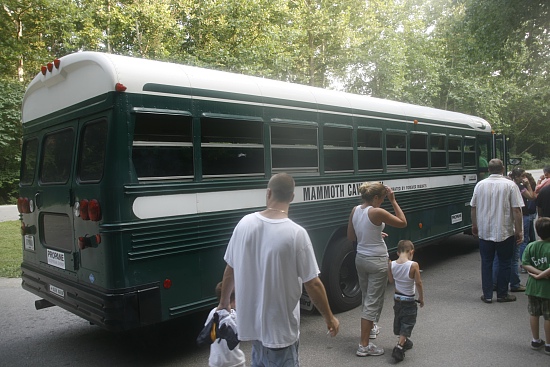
[(340, 276)]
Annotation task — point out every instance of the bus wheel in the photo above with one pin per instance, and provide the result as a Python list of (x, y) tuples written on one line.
[(340, 276)]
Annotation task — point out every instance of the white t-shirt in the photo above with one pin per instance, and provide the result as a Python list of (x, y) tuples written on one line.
[(494, 199), (270, 258), (220, 355)]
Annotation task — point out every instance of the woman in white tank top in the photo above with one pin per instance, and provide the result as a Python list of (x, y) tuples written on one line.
[(365, 226)]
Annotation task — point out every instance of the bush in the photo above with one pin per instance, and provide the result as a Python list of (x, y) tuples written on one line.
[(528, 161), (9, 187), (10, 139)]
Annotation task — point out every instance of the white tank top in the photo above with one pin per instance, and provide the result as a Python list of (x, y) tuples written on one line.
[(369, 235), (403, 283)]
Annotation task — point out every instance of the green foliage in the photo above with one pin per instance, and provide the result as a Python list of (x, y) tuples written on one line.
[(10, 139), (528, 161), (11, 255), (488, 58)]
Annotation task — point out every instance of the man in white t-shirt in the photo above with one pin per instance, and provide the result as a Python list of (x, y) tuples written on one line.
[(268, 258), (498, 222)]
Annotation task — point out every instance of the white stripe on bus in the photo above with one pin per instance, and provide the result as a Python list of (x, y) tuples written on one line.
[(160, 206)]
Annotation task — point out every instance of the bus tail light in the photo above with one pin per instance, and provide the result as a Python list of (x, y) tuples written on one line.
[(89, 210), (89, 241), (94, 210), (84, 242), (167, 283), (119, 87), (84, 209), (23, 205)]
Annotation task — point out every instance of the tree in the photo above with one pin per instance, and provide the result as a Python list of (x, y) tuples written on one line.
[(502, 50), (10, 139)]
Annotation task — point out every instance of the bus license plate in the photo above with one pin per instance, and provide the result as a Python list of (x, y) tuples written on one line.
[(57, 291), (29, 242)]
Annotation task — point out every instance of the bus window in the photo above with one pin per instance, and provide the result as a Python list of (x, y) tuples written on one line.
[(438, 151), (396, 151), (369, 149), (483, 150), (162, 147), (28, 165), (57, 157), (294, 149), (338, 149), (419, 150), (469, 152), (231, 147), (91, 157), (455, 151)]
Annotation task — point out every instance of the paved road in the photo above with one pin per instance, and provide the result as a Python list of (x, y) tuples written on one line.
[(454, 328), (8, 212)]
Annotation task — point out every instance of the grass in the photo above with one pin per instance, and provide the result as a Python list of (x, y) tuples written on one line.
[(11, 254)]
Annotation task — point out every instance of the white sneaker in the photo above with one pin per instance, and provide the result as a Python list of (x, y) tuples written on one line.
[(374, 331), (369, 350)]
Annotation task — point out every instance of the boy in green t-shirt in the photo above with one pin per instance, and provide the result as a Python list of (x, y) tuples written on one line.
[(535, 261)]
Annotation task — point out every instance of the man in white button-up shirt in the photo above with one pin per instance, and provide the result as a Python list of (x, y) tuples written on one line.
[(497, 221)]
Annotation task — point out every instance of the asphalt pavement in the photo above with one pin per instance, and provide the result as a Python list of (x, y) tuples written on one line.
[(8, 212), (453, 329)]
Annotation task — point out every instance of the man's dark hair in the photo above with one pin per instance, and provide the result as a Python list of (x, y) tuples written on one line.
[(546, 169), (517, 172)]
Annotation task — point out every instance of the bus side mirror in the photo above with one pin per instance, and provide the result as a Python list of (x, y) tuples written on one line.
[(514, 161)]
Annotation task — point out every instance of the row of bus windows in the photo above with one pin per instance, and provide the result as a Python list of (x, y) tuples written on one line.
[(57, 155), (163, 148)]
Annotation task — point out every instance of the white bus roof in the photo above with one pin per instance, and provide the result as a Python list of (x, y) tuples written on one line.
[(84, 75)]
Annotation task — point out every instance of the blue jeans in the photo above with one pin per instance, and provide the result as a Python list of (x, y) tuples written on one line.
[(515, 281), (269, 357), (527, 224), (404, 317), (505, 252), (514, 268)]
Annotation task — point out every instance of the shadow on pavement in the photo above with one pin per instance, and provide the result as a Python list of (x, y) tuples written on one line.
[(457, 245)]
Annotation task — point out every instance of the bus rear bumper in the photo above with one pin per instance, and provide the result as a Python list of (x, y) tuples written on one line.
[(113, 310)]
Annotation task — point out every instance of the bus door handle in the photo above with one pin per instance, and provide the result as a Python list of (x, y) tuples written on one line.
[(37, 200)]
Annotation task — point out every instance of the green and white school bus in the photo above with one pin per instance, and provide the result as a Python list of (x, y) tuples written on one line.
[(134, 173)]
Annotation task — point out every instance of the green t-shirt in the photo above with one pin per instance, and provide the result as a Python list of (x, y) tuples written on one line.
[(537, 254)]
